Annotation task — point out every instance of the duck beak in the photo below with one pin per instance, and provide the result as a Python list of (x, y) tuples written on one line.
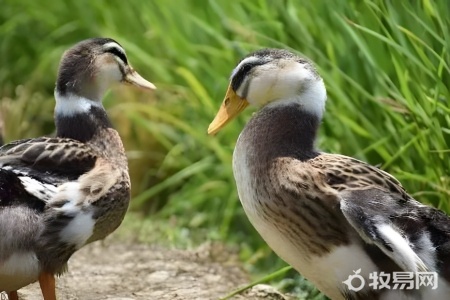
[(133, 77), (231, 106)]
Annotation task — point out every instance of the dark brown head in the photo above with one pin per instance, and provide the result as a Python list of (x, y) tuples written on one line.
[(90, 67), (86, 72)]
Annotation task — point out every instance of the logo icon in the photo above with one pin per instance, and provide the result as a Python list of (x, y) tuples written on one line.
[(357, 277)]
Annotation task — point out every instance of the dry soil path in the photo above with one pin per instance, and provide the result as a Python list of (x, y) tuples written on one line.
[(118, 270)]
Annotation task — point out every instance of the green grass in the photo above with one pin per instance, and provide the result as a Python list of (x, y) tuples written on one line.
[(386, 65)]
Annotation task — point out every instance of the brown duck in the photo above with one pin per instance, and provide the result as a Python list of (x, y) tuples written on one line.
[(329, 216), (60, 193)]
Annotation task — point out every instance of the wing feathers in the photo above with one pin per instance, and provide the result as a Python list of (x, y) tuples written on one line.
[(378, 230), (63, 156), (383, 214), (33, 169)]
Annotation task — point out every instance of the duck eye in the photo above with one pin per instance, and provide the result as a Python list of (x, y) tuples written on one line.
[(246, 68), (239, 76), (118, 53)]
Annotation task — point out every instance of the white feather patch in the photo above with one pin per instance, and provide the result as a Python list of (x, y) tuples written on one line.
[(81, 227), (79, 230), (402, 253), (43, 191), (71, 193)]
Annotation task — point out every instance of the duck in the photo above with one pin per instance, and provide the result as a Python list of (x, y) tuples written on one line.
[(59, 193), (340, 222)]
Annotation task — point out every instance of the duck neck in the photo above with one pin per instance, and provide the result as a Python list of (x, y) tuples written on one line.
[(79, 118), (282, 130)]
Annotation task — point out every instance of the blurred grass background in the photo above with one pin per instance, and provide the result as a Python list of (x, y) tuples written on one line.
[(386, 65)]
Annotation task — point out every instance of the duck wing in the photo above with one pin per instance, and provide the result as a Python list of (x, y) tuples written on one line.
[(31, 169), (414, 236), (51, 156)]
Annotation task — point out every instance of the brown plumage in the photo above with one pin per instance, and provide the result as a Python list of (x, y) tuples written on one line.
[(60, 193)]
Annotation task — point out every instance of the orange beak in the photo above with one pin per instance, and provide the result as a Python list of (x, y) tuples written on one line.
[(231, 106)]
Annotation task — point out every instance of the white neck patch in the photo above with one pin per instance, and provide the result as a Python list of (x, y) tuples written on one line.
[(70, 104)]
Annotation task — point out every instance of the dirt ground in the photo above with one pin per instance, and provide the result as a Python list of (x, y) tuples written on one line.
[(118, 270)]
